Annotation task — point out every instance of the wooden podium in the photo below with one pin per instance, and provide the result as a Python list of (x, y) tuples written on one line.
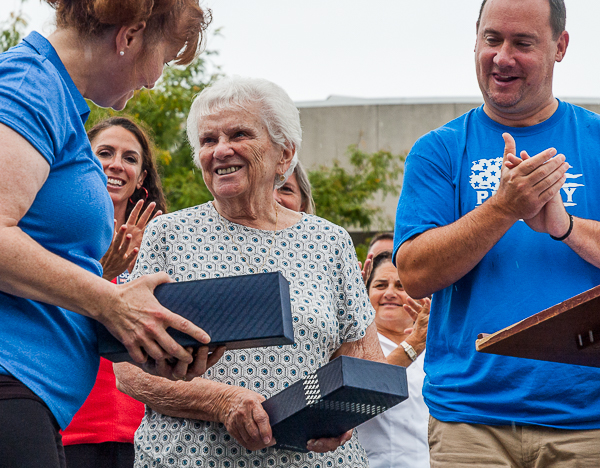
[(568, 332)]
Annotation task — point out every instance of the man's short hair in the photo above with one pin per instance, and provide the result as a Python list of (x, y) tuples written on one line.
[(558, 16), (381, 236)]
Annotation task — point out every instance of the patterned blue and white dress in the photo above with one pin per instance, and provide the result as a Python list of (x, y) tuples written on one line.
[(330, 306)]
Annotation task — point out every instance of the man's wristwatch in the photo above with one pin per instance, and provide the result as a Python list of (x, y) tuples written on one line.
[(410, 351)]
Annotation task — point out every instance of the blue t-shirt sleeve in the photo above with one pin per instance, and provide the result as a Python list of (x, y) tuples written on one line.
[(428, 198), (32, 102)]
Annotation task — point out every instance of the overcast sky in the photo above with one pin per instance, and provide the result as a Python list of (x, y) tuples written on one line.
[(375, 48)]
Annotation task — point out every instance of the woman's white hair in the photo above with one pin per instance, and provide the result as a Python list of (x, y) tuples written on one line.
[(277, 110)]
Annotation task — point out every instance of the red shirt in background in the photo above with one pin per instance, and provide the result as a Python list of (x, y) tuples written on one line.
[(107, 415)]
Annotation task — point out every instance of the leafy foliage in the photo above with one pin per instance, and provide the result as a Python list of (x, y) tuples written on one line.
[(346, 197), (12, 30)]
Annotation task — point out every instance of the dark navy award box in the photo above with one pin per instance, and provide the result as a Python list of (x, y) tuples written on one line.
[(336, 398), (240, 312)]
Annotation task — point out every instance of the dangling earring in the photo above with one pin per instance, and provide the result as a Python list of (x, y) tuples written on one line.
[(145, 197)]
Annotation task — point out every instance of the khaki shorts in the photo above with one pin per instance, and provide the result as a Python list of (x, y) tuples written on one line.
[(457, 445)]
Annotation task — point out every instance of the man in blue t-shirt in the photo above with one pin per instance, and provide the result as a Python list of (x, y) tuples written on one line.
[(497, 236)]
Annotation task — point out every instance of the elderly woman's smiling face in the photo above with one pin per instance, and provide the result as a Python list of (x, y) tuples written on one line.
[(237, 156)]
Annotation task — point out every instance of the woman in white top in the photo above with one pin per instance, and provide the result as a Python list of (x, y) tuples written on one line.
[(398, 437)]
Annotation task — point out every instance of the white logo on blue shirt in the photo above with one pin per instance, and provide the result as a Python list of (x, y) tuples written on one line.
[(485, 177), (570, 187)]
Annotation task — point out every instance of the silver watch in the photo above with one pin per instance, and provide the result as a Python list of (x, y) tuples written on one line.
[(410, 351)]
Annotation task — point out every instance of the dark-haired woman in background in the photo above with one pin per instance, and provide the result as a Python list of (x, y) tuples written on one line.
[(125, 151), (101, 433), (56, 217)]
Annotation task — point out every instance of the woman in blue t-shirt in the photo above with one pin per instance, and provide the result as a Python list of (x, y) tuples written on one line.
[(56, 217)]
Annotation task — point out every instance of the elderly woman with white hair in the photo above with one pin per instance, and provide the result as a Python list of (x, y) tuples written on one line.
[(245, 133)]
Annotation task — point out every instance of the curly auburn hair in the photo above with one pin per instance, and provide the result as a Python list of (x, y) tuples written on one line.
[(177, 21)]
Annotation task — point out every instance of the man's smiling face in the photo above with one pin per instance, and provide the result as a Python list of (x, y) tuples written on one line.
[(515, 54)]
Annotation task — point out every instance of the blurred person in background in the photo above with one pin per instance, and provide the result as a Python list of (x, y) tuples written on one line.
[(126, 153), (398, 437), (101, 432), (380, 242), (296, 192)]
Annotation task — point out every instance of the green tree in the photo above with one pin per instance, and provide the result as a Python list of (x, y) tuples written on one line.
[(12, 30), (346, 197)]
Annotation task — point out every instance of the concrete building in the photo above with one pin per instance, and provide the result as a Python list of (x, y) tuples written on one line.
[(394, 125)]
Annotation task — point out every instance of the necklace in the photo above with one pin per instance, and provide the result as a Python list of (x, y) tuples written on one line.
[(247, 259)]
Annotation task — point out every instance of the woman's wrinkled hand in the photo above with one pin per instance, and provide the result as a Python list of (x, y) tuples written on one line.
[(123, 250), (328, 444), (136, 318), (245, 418)]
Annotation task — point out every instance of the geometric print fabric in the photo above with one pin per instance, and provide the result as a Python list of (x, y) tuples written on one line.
[(329, 305)]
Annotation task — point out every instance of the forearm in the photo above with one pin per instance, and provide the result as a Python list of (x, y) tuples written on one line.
[(198, 399), (441, 256), (30, 271), (367, 347), (585, 240), (26, 268), (398, 357)]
